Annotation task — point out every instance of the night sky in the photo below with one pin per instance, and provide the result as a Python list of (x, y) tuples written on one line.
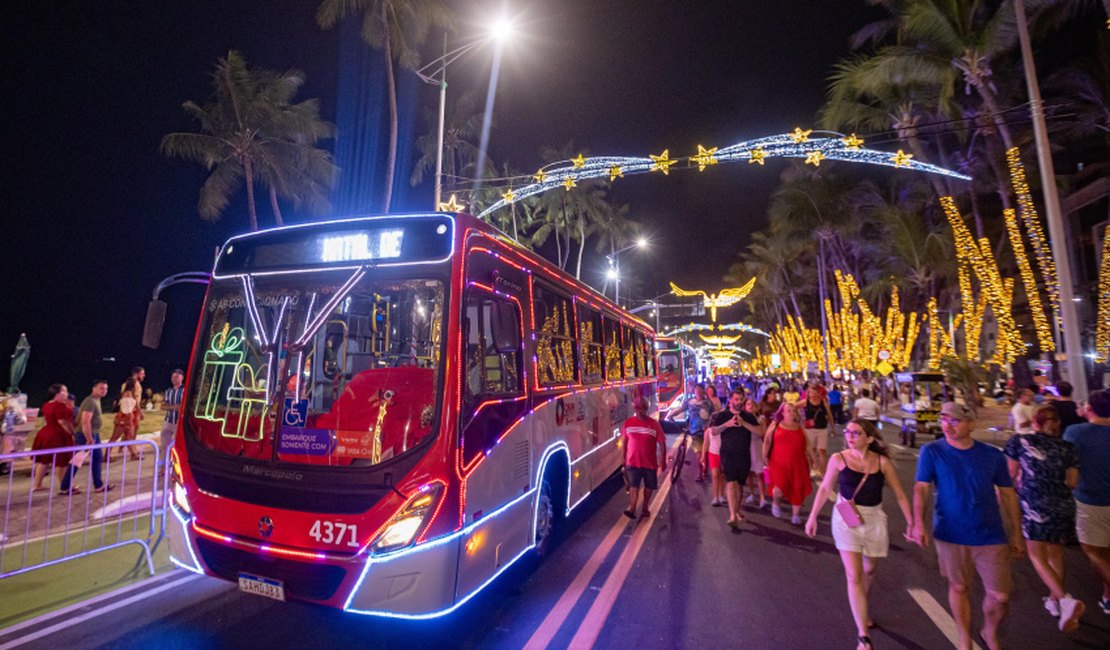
[(95, 216)]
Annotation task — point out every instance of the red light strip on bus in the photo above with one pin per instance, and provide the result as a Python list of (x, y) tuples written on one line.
[(264, 548)]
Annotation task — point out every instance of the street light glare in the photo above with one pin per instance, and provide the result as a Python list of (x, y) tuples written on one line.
[(612, 273), (502, 30), (642, 242)]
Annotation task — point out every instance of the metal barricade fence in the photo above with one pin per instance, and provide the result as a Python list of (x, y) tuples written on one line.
[(43, 527)]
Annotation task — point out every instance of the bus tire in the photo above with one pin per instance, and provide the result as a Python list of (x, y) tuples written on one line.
[(550, 511)]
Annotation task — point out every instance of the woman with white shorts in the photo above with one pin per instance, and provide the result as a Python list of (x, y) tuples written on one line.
[(860, 471)]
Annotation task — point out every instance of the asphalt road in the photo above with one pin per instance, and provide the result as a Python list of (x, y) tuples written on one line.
[(678, 580)]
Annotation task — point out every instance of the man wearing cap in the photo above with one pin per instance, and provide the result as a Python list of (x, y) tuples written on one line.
[(967, 523), (171, 404), (641, 435), (1092, 495)]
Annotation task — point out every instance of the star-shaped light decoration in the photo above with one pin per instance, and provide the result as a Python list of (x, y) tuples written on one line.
[(704, 157), (757, 156), (799, 136), (662, 162), (852, 142), (539, 176), (615, 172), (902, 159), (509, 196), (579, 161), (568, 183), (814, 158), (452, 205)]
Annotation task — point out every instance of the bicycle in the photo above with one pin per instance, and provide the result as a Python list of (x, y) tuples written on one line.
[(679, 458)]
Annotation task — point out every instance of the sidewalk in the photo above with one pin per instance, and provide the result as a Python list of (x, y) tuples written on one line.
[(40, 591)]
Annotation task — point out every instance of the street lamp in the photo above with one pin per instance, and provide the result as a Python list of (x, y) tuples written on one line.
[(500, 32), (614, 260)]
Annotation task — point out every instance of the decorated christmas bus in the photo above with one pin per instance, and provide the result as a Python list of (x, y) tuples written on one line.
[(384, 413), (676, 363)]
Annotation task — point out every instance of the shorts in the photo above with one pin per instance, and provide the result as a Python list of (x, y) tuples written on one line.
[(1092, 524), (757, 454), (871, 539), (645, 476), (991, 562), (166, 437), (818, 438), (714, 460)]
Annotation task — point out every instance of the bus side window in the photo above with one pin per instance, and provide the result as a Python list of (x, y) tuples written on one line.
[(492, 347)]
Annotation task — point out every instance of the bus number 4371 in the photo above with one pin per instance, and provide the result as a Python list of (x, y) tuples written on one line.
[(334, 532)]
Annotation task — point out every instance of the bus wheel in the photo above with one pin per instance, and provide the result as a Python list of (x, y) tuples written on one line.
[(545, 520)]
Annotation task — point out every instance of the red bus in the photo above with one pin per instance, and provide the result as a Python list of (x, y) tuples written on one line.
[(385, 413), (676, 363)]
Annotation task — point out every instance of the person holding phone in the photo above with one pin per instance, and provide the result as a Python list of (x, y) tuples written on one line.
[(735, 426)]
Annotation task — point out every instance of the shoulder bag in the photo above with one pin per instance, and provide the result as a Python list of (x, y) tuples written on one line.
[(847, 509)]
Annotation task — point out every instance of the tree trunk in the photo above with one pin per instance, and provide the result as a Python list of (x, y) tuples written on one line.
[(821, 302), (919, 150), (252, 212), (391, 83), (276, 208)]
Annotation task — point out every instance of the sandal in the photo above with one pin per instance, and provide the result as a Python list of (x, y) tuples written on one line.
[(71, 491), (864, 643)]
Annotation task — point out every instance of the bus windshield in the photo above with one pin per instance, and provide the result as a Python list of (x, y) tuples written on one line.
[(349, 362)]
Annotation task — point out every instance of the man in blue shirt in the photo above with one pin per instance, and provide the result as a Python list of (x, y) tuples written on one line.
[(1092, 495), (171, 404), (967, 524)]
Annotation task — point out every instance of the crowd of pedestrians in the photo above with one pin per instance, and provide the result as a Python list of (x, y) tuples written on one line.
[(978, 506), (67, 426)]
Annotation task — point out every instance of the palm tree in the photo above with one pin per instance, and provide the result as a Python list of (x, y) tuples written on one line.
[(398, 28), (250, 131), (462, 126)]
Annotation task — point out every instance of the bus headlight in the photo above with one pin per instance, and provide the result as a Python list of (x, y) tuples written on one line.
[(406, 525), (180, 498)]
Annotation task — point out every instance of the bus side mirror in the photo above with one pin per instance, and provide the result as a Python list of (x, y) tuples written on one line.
[(504, 327), (155, 319)]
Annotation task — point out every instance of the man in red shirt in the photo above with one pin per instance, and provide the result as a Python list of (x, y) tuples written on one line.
[(641, 435)]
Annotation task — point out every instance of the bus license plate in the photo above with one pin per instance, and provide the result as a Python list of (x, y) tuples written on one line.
[(261, 586)]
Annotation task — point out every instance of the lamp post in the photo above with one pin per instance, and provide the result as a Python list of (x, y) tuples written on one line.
[(1069, 320), (501, 31), (614, 272)]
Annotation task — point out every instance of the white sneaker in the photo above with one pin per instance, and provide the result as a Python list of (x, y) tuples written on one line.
[(1070, 611), (1052, 605)]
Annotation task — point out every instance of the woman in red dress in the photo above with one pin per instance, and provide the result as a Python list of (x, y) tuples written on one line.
[(57, 432), (788, 456)]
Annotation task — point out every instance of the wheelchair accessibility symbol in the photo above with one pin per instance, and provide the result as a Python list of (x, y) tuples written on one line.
[(296, 413)]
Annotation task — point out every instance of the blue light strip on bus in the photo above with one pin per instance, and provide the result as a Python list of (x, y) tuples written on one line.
[(454, 537), (188, 544), (439, 541)]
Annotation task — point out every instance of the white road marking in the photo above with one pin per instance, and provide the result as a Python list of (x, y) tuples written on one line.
[(115, 593), (57, 627), (936, 612)]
